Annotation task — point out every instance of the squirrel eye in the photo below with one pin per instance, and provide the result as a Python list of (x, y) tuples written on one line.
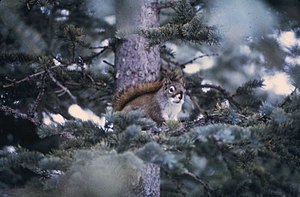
[(172, 89)]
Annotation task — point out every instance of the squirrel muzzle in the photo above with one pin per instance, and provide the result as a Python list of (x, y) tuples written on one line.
[(177, 98)]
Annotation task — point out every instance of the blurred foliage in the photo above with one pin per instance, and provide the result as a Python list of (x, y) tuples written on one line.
[(187, 25)]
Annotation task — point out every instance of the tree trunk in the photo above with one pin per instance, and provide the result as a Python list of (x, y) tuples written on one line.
[(135, 61), (138, 63)]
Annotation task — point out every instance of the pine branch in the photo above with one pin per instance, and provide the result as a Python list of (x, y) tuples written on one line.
[(73, 35), (170, 4), (186, 25), (194, 31), (294, 72), (30, 77), (17, 57), (19, 114), (25, 158), (245, 94), (206, 186), (184, 12), (128, 136), (247, 88), (162, 34), (222, 149)]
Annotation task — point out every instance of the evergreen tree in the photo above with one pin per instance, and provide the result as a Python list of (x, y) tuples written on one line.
[(234, 139)]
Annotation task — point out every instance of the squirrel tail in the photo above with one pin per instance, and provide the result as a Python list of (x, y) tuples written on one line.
[(127, 95), (123, 97)]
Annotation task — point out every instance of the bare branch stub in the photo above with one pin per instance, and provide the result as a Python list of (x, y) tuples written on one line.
[(108, 63), (39, 97)]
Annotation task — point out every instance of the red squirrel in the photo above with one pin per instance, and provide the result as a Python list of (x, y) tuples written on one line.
[(161, 100)]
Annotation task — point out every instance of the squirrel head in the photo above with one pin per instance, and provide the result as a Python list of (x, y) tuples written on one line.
[(170, 89), (173, 90)]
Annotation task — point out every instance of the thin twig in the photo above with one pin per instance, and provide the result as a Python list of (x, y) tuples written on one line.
[(18, 114), (97, 47), (219, 88), (110, 64), (177, 184), (39, 97), (223, 91), (27, 78), (96, 84), (91, 78), (198, 57), (288, 98), (63, 88), (73, 49), (92, 56), (203, 183)]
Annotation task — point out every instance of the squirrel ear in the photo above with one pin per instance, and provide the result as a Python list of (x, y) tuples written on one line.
[(166, 81), (177, 75), (172, 75), (164, 71)]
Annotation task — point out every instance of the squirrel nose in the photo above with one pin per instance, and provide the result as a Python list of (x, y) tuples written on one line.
[(180, 95)]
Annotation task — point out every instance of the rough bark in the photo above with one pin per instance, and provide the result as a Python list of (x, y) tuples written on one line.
[(137, 63)]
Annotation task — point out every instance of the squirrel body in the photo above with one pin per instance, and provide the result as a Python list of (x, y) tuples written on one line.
[(160, 100)]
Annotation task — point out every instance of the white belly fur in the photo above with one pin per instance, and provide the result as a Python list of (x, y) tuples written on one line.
[(171, 110)]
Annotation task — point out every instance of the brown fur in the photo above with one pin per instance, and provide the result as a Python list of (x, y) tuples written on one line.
[(123, 98), (149, 97), (148, 104)]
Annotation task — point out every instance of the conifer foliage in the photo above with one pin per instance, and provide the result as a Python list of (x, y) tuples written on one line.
[(232, 143)]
